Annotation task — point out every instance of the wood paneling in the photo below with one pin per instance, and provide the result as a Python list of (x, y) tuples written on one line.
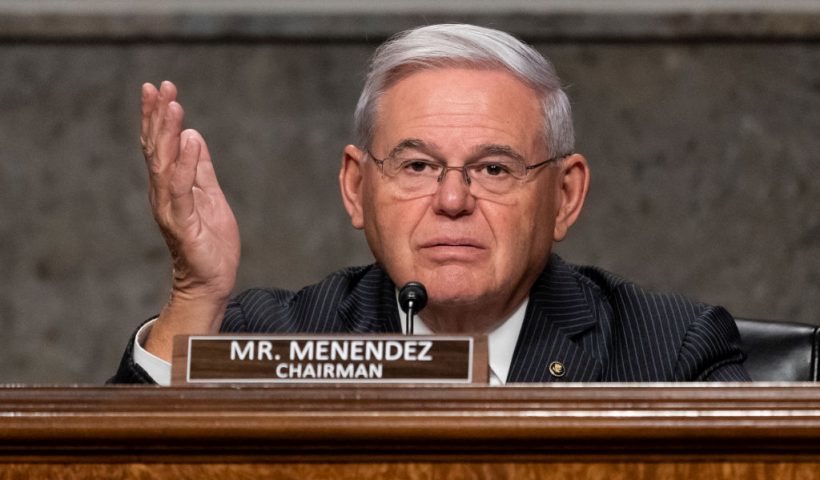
[(412, 432)]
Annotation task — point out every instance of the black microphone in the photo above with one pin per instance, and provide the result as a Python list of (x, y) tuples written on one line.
[(412, 299)]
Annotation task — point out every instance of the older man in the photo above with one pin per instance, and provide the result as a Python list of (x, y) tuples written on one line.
[(462, 178)]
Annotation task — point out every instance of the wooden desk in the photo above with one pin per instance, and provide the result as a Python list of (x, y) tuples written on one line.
[(428, 432)]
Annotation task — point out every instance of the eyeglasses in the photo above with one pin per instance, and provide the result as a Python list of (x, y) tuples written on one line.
[(416, 174)]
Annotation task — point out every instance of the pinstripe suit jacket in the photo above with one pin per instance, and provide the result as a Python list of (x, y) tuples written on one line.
[(602, 328)]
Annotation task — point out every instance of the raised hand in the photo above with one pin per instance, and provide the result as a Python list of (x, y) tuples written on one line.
[(195, 220)]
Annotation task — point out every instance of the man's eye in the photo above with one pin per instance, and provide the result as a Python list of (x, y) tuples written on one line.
[(418, 166), (493, 169)]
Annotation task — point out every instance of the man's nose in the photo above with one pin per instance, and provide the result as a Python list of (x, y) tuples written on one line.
[(453, 197)]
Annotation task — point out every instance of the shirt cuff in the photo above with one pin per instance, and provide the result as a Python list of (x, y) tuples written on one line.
[(157, 368)]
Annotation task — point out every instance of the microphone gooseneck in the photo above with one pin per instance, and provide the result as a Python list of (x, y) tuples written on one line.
[(412, 300)]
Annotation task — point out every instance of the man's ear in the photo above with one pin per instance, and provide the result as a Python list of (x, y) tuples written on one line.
[(351, 177), (572, 186)]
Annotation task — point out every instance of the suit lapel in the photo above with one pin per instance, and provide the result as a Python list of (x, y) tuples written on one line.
[(557, 319), (371, 306)]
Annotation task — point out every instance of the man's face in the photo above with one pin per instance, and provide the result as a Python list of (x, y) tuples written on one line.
[(466, 248)]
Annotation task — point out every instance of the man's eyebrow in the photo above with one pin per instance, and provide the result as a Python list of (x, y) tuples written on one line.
[(495, 149), (411, 143), (480, 151)]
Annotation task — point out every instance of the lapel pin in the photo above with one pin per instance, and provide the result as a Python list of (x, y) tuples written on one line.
[(557, 369)]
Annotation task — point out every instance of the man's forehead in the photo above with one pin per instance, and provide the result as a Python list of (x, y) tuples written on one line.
[(448, 99)]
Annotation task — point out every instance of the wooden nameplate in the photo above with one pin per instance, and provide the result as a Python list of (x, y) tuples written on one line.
[(305, 358)]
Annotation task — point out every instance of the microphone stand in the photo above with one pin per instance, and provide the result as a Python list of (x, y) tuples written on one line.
[(408, 321)]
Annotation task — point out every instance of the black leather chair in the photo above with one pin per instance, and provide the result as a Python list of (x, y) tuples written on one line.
[(780, 351)]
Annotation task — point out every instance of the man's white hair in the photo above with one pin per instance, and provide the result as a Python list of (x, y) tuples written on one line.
[(459, 45)]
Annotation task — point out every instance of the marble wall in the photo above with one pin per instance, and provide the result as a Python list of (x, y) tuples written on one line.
[(703, 150)]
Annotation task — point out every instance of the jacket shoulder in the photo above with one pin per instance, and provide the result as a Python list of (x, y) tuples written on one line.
[(641, 302), (657, 336)]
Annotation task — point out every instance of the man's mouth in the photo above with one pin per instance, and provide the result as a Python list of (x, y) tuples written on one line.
[(452, 242), (452, 249)]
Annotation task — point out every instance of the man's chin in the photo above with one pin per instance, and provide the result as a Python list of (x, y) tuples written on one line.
[(450, 280), (453, 284), (453, 293)]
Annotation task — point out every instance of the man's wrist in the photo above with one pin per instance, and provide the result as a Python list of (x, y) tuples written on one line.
[(184, 315)]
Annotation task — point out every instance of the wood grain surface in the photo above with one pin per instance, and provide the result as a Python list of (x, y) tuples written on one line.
[(420, 471)]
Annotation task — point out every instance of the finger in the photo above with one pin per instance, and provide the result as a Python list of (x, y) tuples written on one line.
[(167, 94), (167, 150), (182, 180), (148, 105), (168, 136)]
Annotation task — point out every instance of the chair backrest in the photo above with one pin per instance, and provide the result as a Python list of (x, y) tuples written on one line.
[(780, 351)]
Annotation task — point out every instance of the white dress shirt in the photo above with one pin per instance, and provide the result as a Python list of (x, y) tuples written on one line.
[(501, 344)]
